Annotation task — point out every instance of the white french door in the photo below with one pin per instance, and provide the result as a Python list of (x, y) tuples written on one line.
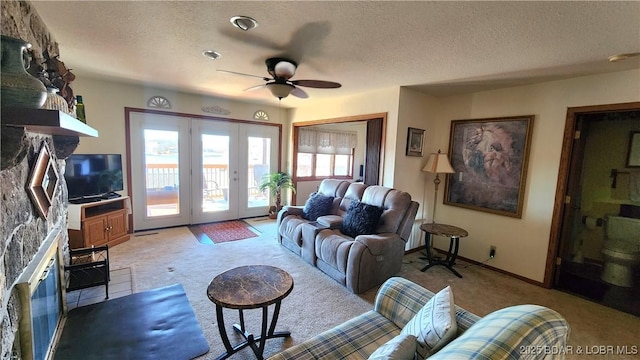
[(229, 161), (190, 171)]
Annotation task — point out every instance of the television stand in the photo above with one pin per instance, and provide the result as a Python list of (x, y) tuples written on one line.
[(84, 200), (110, 195), (100, 222)]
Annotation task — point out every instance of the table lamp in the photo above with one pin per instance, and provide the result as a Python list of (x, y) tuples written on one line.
[(438, 163)]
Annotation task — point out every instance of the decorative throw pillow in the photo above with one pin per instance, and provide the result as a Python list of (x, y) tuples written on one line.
[(435, 324), (361, 219), (317, 205), (401, 347)]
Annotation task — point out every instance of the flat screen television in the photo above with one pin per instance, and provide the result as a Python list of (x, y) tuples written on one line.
[(93, 176)]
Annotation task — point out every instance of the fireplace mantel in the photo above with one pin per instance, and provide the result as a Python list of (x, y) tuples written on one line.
[(65, 130), (51, 122)]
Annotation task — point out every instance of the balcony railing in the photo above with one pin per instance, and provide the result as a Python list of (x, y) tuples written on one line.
[(161, 177)]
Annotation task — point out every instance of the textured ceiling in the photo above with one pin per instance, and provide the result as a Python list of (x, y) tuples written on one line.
[(438, 48)]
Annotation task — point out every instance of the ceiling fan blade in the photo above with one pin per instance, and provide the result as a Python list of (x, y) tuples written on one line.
[(255, 87), (243, 74), (297, 92), (320, 84)]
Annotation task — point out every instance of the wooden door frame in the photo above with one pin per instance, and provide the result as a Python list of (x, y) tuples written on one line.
[(563, 178), (375, 153)]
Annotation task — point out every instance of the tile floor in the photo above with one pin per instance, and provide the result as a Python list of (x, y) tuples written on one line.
[(119, 285)]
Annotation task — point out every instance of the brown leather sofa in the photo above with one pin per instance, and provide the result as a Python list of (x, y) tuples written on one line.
[(359, 262)]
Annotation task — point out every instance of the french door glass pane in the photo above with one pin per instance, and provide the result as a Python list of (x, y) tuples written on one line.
[(259, 154), (215, 172), (162, 171)]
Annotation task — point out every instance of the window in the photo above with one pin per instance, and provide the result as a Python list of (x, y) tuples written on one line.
[(324, 165), (324, 153)]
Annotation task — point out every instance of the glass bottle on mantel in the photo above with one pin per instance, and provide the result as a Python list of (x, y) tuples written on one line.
[(80, 109)]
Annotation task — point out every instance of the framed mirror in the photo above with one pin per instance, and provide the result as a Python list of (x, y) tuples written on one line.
[(43, 181)]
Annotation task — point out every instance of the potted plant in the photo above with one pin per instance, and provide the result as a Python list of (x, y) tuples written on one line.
[(276, 182)]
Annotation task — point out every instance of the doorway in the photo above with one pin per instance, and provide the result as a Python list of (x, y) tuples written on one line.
[(593, 185), (193, 170)]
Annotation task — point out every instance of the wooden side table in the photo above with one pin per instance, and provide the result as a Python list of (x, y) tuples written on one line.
[(250, 287), (454, 233)]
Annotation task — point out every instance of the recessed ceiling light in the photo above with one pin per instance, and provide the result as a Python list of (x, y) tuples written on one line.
[(213, 55), (620, 57), (244, 22)]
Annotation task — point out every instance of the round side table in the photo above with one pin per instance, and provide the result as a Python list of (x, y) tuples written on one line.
[(250, 287), (453, 232)]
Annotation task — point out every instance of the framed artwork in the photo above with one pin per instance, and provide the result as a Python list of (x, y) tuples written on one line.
[(490, 158), (633, 154), (43, 181), (415, 142)]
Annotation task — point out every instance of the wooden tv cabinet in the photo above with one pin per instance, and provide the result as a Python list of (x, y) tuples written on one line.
[(98, 223)]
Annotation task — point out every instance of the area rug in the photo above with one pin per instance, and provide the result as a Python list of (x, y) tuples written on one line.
[(154, 324), (220, 232)]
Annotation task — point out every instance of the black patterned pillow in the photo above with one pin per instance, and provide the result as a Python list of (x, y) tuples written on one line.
[(317, 205), (361, 219)]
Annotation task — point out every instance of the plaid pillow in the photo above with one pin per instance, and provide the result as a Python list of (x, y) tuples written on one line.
[(401, 347)]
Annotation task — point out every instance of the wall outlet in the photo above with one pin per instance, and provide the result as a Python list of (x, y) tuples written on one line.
[(492, 252)]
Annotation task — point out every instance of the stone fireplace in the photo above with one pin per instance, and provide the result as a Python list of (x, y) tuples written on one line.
[(23, 232), (22, 228)]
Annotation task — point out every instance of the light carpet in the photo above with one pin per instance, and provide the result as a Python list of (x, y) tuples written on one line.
[(318, 303), (173, 256)]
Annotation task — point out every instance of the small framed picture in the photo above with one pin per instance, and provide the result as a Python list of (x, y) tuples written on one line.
[(415, 142), (633, 154)]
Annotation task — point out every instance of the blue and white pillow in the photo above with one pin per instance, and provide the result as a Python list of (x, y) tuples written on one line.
[(435, 324)]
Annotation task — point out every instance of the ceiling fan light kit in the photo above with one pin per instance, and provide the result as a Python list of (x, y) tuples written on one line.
[(244, 23), (279, 90), (280, 85)]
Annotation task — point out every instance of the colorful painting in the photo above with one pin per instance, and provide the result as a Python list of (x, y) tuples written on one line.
[(490, 159)]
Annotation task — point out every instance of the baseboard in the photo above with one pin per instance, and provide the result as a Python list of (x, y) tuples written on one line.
[(519, 277)]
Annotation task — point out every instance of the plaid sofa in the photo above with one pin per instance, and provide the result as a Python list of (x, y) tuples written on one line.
[(518, 332)]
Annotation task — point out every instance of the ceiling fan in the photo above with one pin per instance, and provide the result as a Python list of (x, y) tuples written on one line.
[(280, 85)]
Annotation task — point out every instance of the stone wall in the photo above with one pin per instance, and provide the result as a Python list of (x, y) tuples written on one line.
[(22, 230)]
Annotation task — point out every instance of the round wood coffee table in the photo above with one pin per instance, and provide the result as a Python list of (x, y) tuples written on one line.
[(250, 287)]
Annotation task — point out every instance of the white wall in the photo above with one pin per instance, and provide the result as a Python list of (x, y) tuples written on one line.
[(522, 244), (105, 102)]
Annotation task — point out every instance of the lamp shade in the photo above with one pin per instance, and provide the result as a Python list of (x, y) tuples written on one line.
[(280, 90), (438, 163)]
